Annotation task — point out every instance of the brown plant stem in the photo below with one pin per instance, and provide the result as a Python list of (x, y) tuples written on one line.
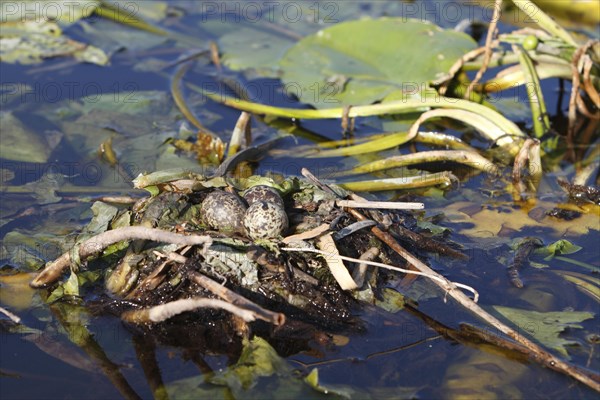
[(520, 161), (488, 47), (575, 98), (274, 318)]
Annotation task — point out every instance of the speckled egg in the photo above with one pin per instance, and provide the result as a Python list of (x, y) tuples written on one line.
[(263, 193), (223, 211), (265, 220)]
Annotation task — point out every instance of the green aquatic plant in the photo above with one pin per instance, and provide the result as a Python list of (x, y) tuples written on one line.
[(546, 327)]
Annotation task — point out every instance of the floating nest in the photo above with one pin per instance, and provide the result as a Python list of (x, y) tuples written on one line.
[(245, 255)]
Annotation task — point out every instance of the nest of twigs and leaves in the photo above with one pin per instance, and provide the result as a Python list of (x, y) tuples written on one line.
[(197, 250), (181, 250)]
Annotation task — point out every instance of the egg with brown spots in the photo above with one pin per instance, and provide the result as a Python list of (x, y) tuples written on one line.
[(265, 220), (223, 211), (264, 193)]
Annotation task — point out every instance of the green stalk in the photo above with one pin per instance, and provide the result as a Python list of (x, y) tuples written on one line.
[(388, 141), (180, 99), (544, 21), (514, 76), (168, 175), (583, 284), (380, 142), (539, 114), (349, 141), (501, 59), (123, 16), (66, 190), (442, 139), (407, 182), (240, 132), (468, 158), (392, 107), (582, 264), (587, 169), (483, 125)]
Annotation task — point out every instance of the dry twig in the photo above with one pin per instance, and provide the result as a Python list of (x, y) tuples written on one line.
[(588, 85), (520, 161), (433, 276), (165, 311), (488, 47), (575, 101), (387, 205), (361, 270), (230, 296), (96, 244), (313, 233), (14, 318), (214, 55)]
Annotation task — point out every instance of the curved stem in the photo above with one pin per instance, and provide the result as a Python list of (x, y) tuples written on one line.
[(468, 158), (392, 107), (544, 21)]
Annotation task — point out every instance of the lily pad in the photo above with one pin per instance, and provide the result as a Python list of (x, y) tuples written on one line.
[(360, 62), (545, 327), (246, 48)]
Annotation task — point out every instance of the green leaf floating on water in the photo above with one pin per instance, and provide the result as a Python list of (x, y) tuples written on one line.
[(391, 300), (359, 62), (278, 380), (559, 247), (32, 48), (103, 215), (71, 286), (258, 359), (545, 327)]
